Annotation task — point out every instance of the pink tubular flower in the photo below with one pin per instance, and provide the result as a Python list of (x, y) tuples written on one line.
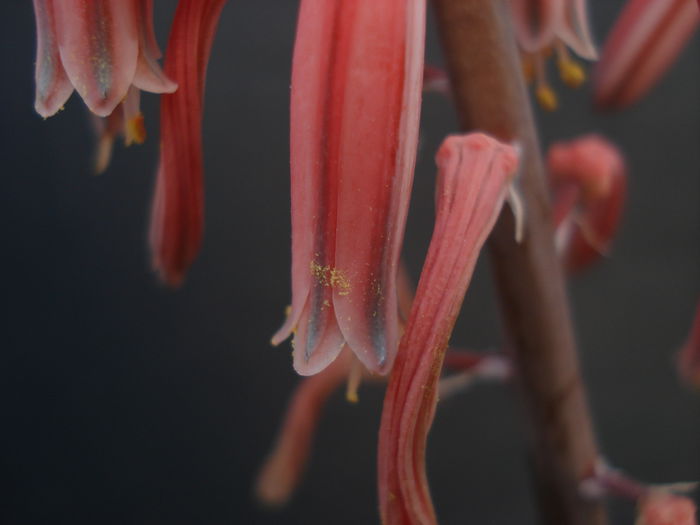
[(473, 175), (664, 508), (643, 44), (356, 89), (100, 48), (588, 180), (689, 356), (542, 25), (177, 219)]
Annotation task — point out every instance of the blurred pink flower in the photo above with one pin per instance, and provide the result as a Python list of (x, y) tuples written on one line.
[(664, 508), (588, 181), (474, 172), (356, 92), (645, 41)]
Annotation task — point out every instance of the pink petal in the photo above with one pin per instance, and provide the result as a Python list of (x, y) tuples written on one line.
[(474, 171), (575, 30), (149, 76), (356, 87), (52, 85), (588, 177), (98, 44), (689, 356), (643, 44), (178, 215), (535, 23), (381, 108)]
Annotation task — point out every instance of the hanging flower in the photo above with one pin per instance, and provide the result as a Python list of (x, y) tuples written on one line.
[(356, 92), (100, 48), (588, 181), (474, 172), (177, 217), (545, 25), (645, 41)]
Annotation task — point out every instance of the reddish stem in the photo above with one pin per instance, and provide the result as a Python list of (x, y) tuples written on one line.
[(490, 96)]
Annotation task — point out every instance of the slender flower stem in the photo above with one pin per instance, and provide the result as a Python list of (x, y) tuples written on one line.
[(490, 96)]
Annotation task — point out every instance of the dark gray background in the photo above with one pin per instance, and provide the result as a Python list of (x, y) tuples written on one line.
[(124, 402)]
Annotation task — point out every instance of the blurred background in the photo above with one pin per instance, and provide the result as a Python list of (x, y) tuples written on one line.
[(122, 401)]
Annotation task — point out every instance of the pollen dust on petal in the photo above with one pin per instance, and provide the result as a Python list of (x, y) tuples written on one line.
[(329, 276)]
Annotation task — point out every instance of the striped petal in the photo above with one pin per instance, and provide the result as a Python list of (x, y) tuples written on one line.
[(149, 76), (575, 30), (643, 44), (98, 45), (178, 208), (473, 175), (52, 85), (356, 88), (535, 22)]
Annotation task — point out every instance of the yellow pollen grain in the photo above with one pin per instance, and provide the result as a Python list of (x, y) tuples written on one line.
[(333, 277)]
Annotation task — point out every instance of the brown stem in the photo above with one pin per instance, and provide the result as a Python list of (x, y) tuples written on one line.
[(490, 96)]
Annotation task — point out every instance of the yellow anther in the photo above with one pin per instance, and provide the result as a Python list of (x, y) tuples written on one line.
[(571, 73), (135, 130), (546, 97), (354, 380)]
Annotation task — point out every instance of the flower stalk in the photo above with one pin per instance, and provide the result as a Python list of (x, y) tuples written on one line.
[(490, 95)]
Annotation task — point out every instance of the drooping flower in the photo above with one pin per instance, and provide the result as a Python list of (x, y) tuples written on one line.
[(588, 181), (177, 217), (100, 48), (689, 356), (355, 104), (645, 41), (545, 25), (474, 172)]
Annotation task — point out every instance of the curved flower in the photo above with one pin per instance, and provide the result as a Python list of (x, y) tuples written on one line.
[(543, 25), (356, 89), (645, 41), (474, 172), (588, 180), (177, 218), (100, 48)]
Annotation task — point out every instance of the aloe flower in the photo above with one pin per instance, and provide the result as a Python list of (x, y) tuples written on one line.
[(177, 219), (545, 25), (474, 172), (645, 41), (689, 356), (588, 180), (101, 48), (355, 104)]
